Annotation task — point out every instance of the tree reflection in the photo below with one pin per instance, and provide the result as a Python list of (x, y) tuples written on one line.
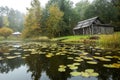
[(7, 65)]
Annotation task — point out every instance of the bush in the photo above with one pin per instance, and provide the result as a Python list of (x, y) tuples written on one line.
[(5, 32)]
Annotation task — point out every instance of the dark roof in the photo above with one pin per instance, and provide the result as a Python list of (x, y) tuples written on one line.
[(85, 23)]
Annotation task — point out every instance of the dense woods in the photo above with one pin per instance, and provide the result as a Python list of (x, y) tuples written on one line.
[(59, 17)]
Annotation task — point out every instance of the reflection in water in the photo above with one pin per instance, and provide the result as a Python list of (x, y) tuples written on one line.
[(32, 63)]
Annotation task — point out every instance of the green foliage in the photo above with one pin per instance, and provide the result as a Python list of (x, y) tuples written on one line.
[(33, 20), (53, 21), (5, 32)]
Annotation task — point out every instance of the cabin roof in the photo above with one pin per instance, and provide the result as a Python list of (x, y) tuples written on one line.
[(86, 23)]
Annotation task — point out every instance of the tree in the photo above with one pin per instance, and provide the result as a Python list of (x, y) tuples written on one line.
[(5, 32), (33, 20), (81, 8), (6, 22), (53, 21), (69, 17)]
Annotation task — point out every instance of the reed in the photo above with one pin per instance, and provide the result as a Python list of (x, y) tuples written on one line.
[(110, 41)]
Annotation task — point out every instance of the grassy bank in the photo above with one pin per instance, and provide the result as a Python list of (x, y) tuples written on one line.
[(106, 41)]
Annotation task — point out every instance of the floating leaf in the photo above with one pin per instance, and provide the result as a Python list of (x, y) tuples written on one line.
[(49, 55), (17, 53), (108, 57), (84, 74), (97, 53), (101, 58), (61, 69), (62, 66), (70, 58), (94, 74), (89, 70), (114, 65), (10, 57), (87, 58), (6, 53), (75, 73), (76, 63), (72, 67), (91, 62)]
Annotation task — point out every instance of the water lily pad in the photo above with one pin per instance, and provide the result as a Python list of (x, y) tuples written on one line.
[(101, 58), (85, 53), (89, 70), (114, 65), (6, 53), (78, 59), (17, 53), (97, 53), (75, 73), (62, 66), (72, 67), (108, 57), (87, 58), (61, 69), (10, 57), (91, 62), (49, 55), (70, 58), (76, 63), (94, 74), (84, 74)]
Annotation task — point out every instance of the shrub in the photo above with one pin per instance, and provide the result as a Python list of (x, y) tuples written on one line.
[(5, 32)]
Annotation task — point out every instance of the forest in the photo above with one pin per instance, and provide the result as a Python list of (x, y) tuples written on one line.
[(58, 17)]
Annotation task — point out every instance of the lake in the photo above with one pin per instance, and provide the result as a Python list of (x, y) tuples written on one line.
[(57, 61)]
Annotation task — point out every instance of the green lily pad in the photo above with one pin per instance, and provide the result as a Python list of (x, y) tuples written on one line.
[(114, 65), (17, 53), (10, 57), (84, 74), (108, 57), (87, 58), (62, 66), (6, 53), (49, 55), (97, 53), (91, 62), (89, 70), (76, 64), (101, 58), (75, 73), (94, 74), (61, 69), (70, 58), (72, 66)]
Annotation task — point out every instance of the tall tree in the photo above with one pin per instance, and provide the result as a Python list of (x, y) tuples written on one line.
[(81, 8), (69, 17), (33, 20), (102, 8), (53, 21)]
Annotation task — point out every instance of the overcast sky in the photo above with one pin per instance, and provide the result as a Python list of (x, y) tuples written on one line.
[(22, 4)]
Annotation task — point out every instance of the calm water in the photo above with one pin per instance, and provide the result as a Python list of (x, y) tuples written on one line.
[(29, 61)]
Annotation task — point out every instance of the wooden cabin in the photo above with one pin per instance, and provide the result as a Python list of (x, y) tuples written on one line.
[(92, 26)]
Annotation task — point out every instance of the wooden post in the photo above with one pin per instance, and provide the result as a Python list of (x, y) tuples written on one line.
[(83, 31), (92, 29)]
